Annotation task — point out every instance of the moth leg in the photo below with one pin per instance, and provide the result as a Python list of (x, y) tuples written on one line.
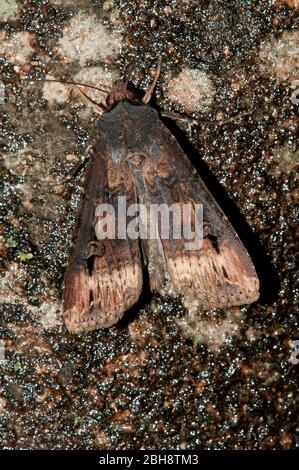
[(175, 116), (79, 166), (221, 122), (179, 117), (98, 107), (148, 95)]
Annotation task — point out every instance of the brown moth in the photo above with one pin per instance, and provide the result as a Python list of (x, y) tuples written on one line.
[(136, 156)]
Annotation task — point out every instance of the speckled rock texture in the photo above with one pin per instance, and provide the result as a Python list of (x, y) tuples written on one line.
[(162, 378)]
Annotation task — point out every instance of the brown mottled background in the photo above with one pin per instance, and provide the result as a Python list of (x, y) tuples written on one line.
[(161, 379)]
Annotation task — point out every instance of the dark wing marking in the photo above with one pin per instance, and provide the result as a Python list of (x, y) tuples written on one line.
[(104, 277)]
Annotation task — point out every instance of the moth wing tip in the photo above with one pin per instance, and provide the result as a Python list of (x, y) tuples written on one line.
[(90, 319)]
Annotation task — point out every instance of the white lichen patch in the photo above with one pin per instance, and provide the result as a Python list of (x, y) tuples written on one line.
[(214, 333), (11, 283), (192, 89), (15, 162), (23, 162), (108, 5), (294, 98), (280, 57), (49, 314), (66, 3), (8, 10), (55, 92), (2, 92), (86, 40), (17, 48), (98, 77)]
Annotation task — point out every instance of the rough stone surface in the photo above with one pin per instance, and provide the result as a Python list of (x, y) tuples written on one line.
[(159, 379), (281, 56), (17, 48)]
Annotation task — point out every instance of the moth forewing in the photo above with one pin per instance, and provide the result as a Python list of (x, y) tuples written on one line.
[(104, 276)]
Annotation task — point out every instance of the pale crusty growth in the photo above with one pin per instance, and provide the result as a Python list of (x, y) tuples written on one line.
[(192, 89), (17, 48), (280, 57), (8, 10), (85, 40)]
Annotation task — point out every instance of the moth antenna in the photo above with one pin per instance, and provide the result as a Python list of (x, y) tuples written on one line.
[(68, 83), (148, 95)]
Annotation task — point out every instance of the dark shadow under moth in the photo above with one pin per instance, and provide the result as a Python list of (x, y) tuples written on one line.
[(136, 156)]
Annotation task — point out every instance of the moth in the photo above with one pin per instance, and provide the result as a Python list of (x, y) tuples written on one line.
[(137, 157)]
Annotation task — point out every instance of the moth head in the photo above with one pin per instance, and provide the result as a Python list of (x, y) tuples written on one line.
[(125, 90), (122, 90)]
